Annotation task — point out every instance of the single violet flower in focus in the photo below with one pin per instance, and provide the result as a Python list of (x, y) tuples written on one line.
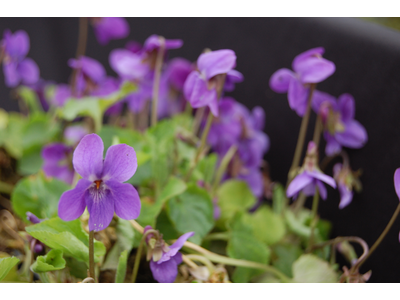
[(340, 128), (309, 68), (346, 180), (310, 177), (101, 188), (34, 244), (111, 28), (203, 85), (16, 67), (164, 259)]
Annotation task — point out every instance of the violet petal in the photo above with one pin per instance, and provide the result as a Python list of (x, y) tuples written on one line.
[(100, 205), (88, 157), (279, 81), (120, 163), (216, 62), (298, 183), (126, 199), (72, 203)]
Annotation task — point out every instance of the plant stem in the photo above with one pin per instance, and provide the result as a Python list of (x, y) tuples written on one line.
[(203, 260), (222, 167), (139, 253), (381, 237), (91, 254), (80, 50), (302, 136), (156, 84), (198, 116), (317, 130), (314, 216), (223, 236)]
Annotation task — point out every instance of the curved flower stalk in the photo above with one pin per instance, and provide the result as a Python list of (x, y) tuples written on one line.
[(36, 245), (164, 259), (340, 128), (310, 177), (57, 157), (109, 28), (101, 189), (17, 67), (202, 86), (309, 68)]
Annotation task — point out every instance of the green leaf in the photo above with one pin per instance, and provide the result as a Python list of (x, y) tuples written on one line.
[(30, 97), (38, 195), (125, 241), (121, 270), (76, 268), (207, 167), (165, 226), (6, 264), (286, 255), (52, 261), (192, 211), (174, 187), (233, 196), (267, 226), (296, 224), (279, 200), (125, 136), (13, 134), (244, 246), (39, 130), (31, 160), (68, 237), (308, 268)]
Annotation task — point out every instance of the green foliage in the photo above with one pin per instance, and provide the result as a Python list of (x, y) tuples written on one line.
[(279, 200), (233, 196), (121, 270), (286, 255), (6, 264), (30, 98), (192, 211), (52, 261), (68, 237), (38, 195), (310, 268)]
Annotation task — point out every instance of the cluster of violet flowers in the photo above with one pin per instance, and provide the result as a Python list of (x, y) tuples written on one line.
[(337, 117)]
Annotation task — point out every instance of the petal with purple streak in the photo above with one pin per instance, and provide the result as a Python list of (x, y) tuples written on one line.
[(100, 205)]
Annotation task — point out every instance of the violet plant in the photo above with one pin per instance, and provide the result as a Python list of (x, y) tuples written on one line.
[(184, 173)]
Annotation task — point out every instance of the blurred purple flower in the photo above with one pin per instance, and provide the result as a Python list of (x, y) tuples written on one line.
[(340, 128), (200, 87), (62, 93), (112, 28), (133, 46), (89, 69), (16, 67), (346, 180), (57, 162), (309, 67), (74, 134), (164, 260), (178, 69), (101, 188), (232, 77), (128, 65), (153, 43), (310, 177)]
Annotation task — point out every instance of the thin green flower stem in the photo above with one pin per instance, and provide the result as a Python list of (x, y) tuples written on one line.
[(188, 109), (317, 130), (91, 254), (203, 260), (236, 262), (340, 239), (381, 237), (198, 116), (222, 236), (222, 167), (6, 188), (139, 253), (314, 214), (81, 48), (223, 259), (299, 203), (157, 76), (302, 136)]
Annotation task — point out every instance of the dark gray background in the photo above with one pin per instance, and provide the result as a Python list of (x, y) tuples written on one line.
[(367, 58)]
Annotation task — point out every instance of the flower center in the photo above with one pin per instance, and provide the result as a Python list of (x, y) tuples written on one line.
[(98, 182)]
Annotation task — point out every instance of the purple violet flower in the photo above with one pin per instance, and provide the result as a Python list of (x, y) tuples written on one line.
[(16, 67), (62, 93), (74, 134), (101, 188), (310, 177), (57, 162), (164, 260), (309, 67), (133, 46), (177, 71), (153, 43), (112, 28), (201, 86), (346, 180), (128, 65), (232, 77), (89, 69), (340, 128)]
